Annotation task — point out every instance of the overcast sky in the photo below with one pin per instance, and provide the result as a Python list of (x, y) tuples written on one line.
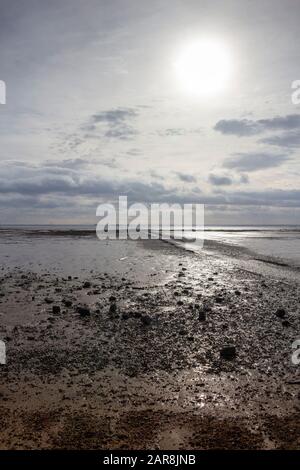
[(95, 109)]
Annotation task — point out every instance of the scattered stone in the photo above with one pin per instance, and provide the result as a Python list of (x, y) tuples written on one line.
[(86, 285), (280, 313), (56, 309), (83, 310), (146, 320), (286, 323), (113, 308), (112, 298), (237, 292), (202, 315), (67, 302), (219, 299), (48, 300), (228, 352)]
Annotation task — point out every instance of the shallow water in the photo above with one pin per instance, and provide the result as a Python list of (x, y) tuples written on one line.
[(280, 243), (73, 249)]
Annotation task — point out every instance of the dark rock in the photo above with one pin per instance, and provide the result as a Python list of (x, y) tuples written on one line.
[(237, 292), (286, 323), (113, 308), (180, 302), (280, 313), (67, 302), (146, 320), (219, 299), (56, 309), (228, 352), (202, 315), (84, 311), (112, 298), (48, 301), (86, 285)]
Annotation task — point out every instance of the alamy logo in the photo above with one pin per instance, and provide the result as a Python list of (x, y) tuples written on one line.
[(296, 93), (296, 353), (2, 352), (151, 221), (2, 92)]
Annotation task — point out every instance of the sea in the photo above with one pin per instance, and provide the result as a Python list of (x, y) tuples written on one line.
[(72, 247)]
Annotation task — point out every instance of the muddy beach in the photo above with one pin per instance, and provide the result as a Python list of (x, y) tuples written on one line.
[(176, 351)]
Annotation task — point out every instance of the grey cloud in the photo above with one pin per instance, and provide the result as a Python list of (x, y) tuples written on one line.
[(223, 179), (172, 132), (115, 116), (112, 124), (220, 180), (177, 131), (248, 127), (117, 123), (39, 187), (187, 178), (243, 127), (68, 163), (286, 139), (253, 161)]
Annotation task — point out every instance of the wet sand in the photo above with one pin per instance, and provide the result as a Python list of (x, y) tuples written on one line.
[(185, 351)]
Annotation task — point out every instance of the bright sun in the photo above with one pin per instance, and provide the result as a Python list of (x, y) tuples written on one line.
[(204, 67)]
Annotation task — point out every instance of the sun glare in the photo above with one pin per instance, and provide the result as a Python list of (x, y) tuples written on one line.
[(204, 67)]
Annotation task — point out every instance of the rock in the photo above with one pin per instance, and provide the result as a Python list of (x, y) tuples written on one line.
[(125, 316), (86, 285), (180, 302), (112, 298), (202, 315), (219, 299), (67, 302), (146, 320), (286, 323), (113, 308), (228, 352), (237, 292), (48, 300), (56, 309), (83, 310), (280, 313)]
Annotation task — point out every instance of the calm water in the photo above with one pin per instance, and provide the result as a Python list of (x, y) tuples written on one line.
[(28, 247), (279, 242)]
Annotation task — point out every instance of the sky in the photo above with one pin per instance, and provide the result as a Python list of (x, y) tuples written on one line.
[(95, 109)]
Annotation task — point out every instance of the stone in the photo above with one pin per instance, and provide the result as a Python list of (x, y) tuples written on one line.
[(280, 313), (228, 352), (113, 308), (83, 310), (146, 320), (202, 315)]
